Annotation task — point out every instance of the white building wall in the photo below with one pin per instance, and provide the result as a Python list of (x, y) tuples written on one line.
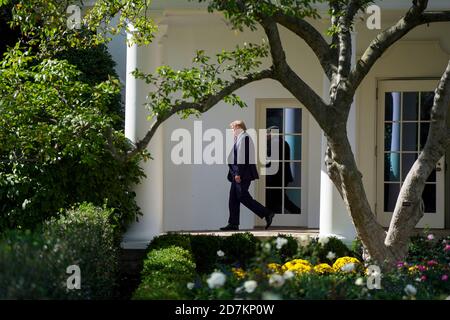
[(196, 196)]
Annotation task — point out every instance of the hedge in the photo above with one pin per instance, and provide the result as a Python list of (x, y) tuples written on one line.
[(33, 265)]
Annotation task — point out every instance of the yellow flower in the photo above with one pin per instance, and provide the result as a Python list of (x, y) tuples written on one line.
[(238, 272), (297, 266), (323, 268), (274, 267), (339, 263), (413, 269)]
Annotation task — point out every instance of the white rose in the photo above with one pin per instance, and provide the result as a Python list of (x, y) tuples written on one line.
[(288, 275), (216, 280), (220, 253), (410, 290), (349, 267), (281, 242), (267, 247), (25, 203), (276, 280), (304, 240), (190, 285), (359, 282), (250, 285), (331, 255), (323, 240)]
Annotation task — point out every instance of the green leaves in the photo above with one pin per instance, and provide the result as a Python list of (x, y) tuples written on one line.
[(247, 13), (110, 17), (55, 25), (55, 150)]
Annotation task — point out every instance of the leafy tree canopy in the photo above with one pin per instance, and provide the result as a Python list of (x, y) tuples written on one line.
[(56, 134)]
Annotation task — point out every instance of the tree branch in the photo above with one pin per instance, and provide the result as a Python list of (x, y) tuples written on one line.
[(110, 144), (207, 103), (289, 79), (413, 18), (313, 39), (345, 50)]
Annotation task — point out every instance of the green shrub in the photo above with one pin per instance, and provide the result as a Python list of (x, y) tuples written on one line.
[(240, 248), (422, 249), (88, 232), (204, 250), (175, 261), (288, 250), (165, 274), (170, 239), (62, 155), (336, 246), (33, 264), (202, 247)]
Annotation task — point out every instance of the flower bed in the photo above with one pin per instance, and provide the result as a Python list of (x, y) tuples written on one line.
[(314, 268)]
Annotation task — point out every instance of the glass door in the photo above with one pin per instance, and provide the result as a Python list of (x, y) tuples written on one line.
[(404, 121), (282, 191)]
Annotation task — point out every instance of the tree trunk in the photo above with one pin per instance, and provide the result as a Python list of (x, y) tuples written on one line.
[(409, 207), (344, 173)]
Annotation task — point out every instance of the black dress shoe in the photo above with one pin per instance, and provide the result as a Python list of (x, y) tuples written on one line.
[(230, 227), (269, 219)]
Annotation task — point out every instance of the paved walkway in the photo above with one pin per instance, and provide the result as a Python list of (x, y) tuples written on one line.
[(260, 232), (295, 232)]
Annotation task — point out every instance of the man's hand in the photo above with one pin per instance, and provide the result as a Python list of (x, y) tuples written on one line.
[(237, 179)]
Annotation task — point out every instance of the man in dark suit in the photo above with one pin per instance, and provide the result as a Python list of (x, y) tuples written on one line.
[(242, 171)]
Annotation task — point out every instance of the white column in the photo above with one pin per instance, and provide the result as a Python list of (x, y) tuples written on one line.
[(149, 193), (334, 218), (131, 92)]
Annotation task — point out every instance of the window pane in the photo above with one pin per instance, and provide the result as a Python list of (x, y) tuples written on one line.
[(293, 120), (426, 102), (274, 180), (293, 174), (273, 200), (293, 148), (274, 117), (409, 137), (424, 128), (292, 201), (391, 191), (392, 137), (410, 106), (429, 198), (407, 162), (392, 106), (392, 167)]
